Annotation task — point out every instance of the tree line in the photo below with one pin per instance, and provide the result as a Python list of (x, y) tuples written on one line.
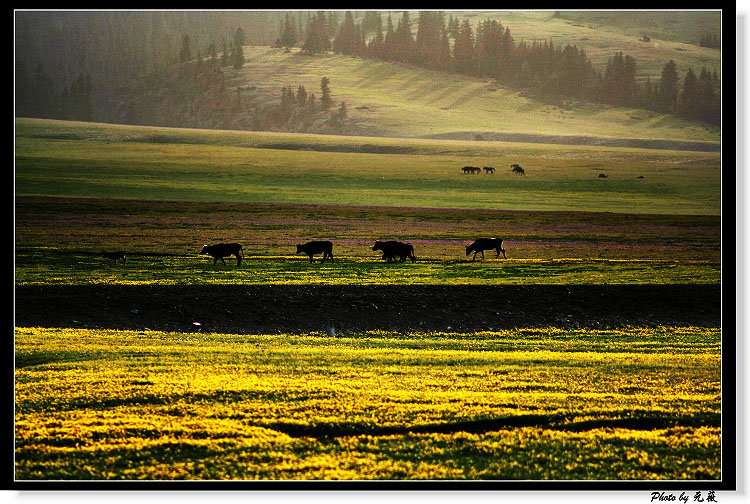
[(90, 65), (490, 51)]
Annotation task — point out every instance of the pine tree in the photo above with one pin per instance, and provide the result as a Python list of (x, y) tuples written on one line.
[(348, 40), (301, 96), (372, 23), (403, 40), (185, 53), (429, 37), (463, 49), (236, 57), (389, 41), (325, 94), (453, 27), (289, 32), (213, 55), (317, 35), (708, 101), (687, 102), (225, 56), (288, 103), (668, 88), (376, 47)]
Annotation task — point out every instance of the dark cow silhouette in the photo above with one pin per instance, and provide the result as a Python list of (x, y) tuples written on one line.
[(391, 249), (317, 247), (471, 169), (517, 169), (223, 250), (601, 175), (114, 256), (483, 244), (489, 169)]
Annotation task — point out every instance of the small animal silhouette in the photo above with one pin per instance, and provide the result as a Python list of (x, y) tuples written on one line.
[(391, 249), (222, 250), (317, 247), (114, 256), (483, 244)]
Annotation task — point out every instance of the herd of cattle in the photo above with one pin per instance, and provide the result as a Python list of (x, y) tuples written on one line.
[(489, 169), (391, 250)]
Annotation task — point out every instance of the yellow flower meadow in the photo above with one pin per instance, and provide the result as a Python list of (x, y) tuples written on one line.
[(635, 403)]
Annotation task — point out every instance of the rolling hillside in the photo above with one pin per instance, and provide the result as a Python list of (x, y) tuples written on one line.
[(674, 35), (395, 100)]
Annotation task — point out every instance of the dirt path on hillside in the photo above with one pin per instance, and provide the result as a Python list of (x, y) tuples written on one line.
[(284, 308)]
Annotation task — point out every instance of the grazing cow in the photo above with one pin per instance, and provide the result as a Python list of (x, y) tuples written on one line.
[(317, 247), (483, 244), (223, 250), (489, 169), (601, 175), (517, 169), (391, 249), (114, 256)]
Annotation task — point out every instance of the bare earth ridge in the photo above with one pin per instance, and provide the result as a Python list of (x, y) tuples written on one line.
[(246, 309)]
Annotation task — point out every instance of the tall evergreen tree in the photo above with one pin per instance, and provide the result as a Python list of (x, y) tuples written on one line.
[(236, 56), (389, 41), (376, 47), (687, 102), (430, 28), (708, 100), (289, 32), (463, 49), (317, 34), (325, 94), (185, 53), (668, 88), (403, 42), (349, 39), (301, 96)]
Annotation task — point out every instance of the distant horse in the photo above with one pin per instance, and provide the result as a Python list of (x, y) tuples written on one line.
[(517, 169), (471, 169), (489, 169), (601, 175), (114, 256), (483, 244)]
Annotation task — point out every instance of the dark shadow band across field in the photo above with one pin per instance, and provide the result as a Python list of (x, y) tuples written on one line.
[(246, 309), (560, 422)]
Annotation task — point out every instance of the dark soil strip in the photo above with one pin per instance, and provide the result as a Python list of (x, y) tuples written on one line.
[(555, 422), (286, 308)]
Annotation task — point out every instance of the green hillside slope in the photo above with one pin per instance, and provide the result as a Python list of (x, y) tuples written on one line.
[(387, 99), (674, 35)]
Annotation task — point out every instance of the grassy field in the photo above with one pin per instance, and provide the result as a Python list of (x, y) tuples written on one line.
[(524, 404), (387, 99), (57, 240), (85, 160)]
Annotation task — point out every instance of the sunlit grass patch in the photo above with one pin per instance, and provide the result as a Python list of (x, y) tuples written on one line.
[(35, 267), (633, 403), (250, 167)]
